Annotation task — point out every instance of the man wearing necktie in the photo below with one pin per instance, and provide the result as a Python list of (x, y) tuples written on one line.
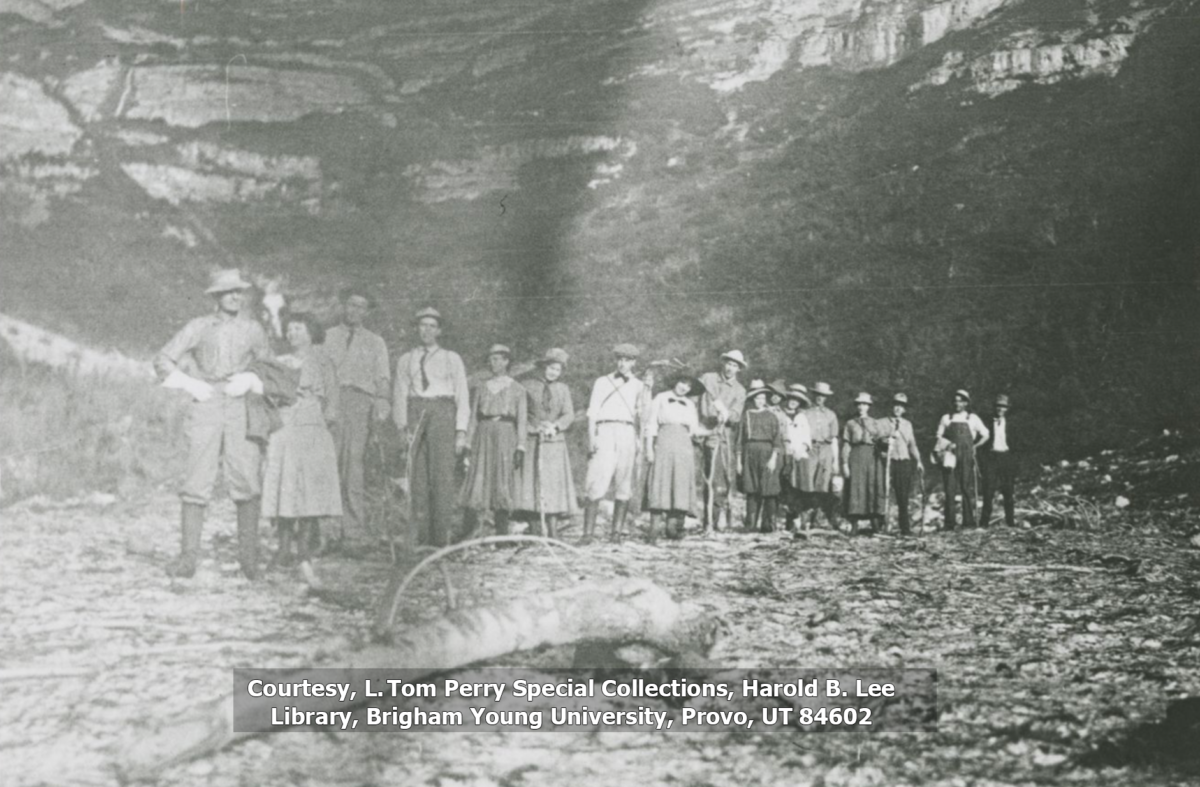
[(364, 379), (997, 468), (615, 414), (431, 408)]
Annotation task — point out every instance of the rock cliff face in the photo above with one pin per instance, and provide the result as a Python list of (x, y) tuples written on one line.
[(693, 171)]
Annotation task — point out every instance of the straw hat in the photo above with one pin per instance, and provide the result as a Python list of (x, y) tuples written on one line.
[(735, 356), (226, 280), (962, 393), (822, 389), (554, 355), (798, 391), (625, 350), (864, 398), (757, 387)]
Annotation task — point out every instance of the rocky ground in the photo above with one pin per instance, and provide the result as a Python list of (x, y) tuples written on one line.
[(1060, 643)]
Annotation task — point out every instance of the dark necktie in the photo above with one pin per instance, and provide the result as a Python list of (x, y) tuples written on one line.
[(349, 338), (546, 401), (424, 375)]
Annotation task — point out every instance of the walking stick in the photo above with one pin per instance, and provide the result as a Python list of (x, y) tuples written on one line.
[(924, 496), (540, 474)]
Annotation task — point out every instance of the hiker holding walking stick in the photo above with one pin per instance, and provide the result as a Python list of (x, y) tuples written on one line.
[(545, 489), (720, 410)]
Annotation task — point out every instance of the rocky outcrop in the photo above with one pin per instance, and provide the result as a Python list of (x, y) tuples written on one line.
[(205, 172), (1028, 58), (31, 121)]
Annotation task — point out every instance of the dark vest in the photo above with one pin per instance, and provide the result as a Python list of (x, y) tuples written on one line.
[(990, 423)]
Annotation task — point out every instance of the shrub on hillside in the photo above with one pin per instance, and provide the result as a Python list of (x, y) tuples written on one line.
[(63, 435)]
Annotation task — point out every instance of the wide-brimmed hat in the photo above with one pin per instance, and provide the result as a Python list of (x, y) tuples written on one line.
[(554, 355), (626, 350), (900, 398), (757, 387), (962, 393), (864, 398), (1002, 400), (821, 389), (778, 387), (735, 356), (500, 349), (428, 311), (226, 280), (798, 391)]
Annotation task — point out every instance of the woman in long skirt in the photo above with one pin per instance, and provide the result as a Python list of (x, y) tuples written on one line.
[(761, 441), (959, 433), (300, 483), (864, 466), (670, 426), (496, 434), (545, 488)]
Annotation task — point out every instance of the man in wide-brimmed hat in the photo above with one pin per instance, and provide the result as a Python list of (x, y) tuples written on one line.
[(615, 414), (819, 470), (721, 409), (997, 468), (904, 458), (431, 406), (360, 357), (201, 359)]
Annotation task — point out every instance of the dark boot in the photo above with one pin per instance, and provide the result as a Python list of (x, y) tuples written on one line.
[(552, 527), (589, 521), (768, 515), (247, 530), (753, 503), (190, 526), (617, 530), (501, 521), (283, 555), (655, 520), (675, 527), (304, 528)]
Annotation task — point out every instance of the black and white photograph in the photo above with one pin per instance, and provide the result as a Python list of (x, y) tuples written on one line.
[(709, 393)]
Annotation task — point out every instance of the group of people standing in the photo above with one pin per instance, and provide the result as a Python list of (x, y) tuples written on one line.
[(310, 412)]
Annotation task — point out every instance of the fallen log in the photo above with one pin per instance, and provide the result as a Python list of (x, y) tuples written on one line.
[(616, 611)]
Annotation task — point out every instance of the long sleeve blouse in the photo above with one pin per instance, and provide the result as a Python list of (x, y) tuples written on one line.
[(667, 408), (549, 403), (501, 398)]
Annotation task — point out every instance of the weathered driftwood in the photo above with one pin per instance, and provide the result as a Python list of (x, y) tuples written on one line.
[(625, 610)]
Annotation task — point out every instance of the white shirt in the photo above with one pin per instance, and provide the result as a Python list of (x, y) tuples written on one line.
[(667, 408), (1000, 435), (616, 400), (799, 435), (978, 430)]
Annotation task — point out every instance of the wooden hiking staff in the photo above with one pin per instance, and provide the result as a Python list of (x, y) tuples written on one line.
[(418, 433)]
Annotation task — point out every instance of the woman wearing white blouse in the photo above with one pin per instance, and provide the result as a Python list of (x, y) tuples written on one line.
[(670, 427)]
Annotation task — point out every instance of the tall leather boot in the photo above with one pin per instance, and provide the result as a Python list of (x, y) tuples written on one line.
[(501, 522), (589, 520), (190, 526), (675, 527), (753, 503), (247, 530), (617, 529)]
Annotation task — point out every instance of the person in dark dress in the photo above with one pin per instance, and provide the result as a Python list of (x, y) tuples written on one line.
[(762, 446), (997, 469), (496, 432), (959, 434), (864, 465)]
